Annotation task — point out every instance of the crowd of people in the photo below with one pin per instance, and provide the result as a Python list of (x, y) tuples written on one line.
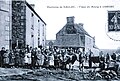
[(29, 57), (38, 57)]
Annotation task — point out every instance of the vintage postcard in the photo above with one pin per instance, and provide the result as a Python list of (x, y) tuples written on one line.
[(63, 40)]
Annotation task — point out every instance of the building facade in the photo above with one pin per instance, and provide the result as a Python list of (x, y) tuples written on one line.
[(50, 43), (20, 25), (73, 35), (27, 26), (5, 23)]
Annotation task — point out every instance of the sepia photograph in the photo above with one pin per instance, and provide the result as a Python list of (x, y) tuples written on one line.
[(59, 40)]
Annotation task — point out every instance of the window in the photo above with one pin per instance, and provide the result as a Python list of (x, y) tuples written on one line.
[(22, 17), (32, 35), (7, 18), (38, 32), (7, 2), (38, 41), (32, 14), (43, 32), (7, 28), (22, 23), (7, 38), (32, 27), (5, 7), (32, 21)]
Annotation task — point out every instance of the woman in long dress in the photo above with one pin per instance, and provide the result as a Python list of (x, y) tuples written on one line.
[(38, 63), (17, 58), (26, 59), (6, 58), (51, 57), (11, 58), (29, 58)]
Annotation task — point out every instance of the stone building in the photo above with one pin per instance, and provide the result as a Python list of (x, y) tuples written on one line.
[(73, 35), (20, 25), (5, 23), (50, 43), (27, 26)]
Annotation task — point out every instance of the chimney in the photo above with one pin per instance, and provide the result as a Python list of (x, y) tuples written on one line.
[(81, 24), (70, 20), (32, 5)]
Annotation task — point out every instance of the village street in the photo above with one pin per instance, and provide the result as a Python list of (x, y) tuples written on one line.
[(43, 74)]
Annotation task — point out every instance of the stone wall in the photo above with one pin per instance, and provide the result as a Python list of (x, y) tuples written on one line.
[(18, 23), (71, 40), (28, 27)]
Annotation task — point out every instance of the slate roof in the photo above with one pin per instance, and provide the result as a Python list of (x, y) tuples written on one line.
[(35, 12), (79, 28)]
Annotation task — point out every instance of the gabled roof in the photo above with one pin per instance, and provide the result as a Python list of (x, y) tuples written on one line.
[(34, 12), (95, 47), (79, 28)]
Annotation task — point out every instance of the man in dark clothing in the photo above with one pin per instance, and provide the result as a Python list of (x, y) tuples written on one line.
[(28, 49), (1, 56), (17, 58), (102, 65), (22, 56), (101, 58), (113, 56), (90, 61), (107, 57), (33, 57), (74, 58), (80, 60), (11, 58), (55, 60)]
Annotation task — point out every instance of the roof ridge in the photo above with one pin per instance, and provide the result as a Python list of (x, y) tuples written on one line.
[(83, 30), (79, 29)]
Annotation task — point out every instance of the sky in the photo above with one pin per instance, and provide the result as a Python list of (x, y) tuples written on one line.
[(92, 13)]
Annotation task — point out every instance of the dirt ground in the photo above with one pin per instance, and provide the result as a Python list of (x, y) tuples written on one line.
[(53, 75)]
